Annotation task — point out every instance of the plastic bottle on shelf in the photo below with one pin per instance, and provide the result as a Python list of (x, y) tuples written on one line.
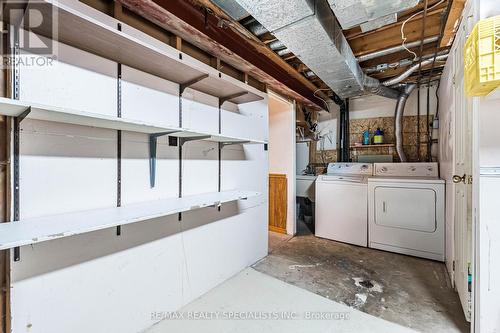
[(378, 138), (366, 137)]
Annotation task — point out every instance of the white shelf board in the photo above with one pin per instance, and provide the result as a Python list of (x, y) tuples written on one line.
[(41, 229), (187, 133), (14, 108), (79, 29)]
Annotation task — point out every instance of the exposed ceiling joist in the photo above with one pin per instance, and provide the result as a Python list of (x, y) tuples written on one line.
[(452, 22), (391, 35), (206, 26)]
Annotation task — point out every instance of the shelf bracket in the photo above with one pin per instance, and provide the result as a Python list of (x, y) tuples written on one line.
[(153, 143), (230, 143), (224, 99), (185, 85), (183, 140), (24, 114)]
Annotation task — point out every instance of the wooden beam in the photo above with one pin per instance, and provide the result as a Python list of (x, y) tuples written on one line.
[(198, 22), (177, 43), (391, 35), (117, 10), (215, 63), (453, 21)]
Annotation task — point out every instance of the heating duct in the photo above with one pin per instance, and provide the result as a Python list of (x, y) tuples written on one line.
[(309, 29), (406, 90)]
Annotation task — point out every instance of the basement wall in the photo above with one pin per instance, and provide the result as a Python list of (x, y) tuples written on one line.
[(101, 282), (371, 112)]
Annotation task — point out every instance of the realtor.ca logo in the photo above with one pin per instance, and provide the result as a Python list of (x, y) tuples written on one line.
[(29, 31)]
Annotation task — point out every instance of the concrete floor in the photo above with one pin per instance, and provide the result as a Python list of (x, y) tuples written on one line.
[(412, 292), (254, 302)]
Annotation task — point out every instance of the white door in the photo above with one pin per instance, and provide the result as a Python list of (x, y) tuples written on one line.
[(393, 203), (462, 180)]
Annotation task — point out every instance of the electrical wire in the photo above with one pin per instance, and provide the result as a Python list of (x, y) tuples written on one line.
[(403, 37), (324, 101)]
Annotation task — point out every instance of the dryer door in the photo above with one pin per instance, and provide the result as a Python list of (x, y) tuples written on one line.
[(406, 208)]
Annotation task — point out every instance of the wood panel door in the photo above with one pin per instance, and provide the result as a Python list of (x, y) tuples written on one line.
[(277, 202)]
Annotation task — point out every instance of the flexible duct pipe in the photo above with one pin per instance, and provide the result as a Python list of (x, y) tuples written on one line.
[(256, 28), (398, 126), (394, 49), (412, 69), (276, 45), (375, 87)]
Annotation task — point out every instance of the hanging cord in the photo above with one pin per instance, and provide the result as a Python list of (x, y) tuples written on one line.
[(429, 132), (324, 101), (422, 44), (437, 98), (403, 37), (418, 122)]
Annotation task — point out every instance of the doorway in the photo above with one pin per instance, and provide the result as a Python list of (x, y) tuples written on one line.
[(281, 167)]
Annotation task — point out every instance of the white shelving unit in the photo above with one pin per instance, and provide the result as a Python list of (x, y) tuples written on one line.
[(143, 53), (101, 36), (15, 108), (41, 229)]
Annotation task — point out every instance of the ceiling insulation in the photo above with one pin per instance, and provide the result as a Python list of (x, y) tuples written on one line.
[(352, 13)]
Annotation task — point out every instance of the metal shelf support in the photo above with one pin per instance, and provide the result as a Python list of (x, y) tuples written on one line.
[(185, 85), (224, 99), (153, 143), (183, 140), (231, 143)]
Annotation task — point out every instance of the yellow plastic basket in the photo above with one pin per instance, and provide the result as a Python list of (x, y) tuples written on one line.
[(482, 58)]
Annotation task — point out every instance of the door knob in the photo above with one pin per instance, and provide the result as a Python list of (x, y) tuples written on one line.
[(459, 179)]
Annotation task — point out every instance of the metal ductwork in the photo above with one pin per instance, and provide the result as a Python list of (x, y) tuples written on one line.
[(310, 31), (406, 90), (232, 8), (352, 13), (374, 86)]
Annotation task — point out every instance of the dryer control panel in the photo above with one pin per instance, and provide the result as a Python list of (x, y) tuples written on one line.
[(406, 169), (350, 169)]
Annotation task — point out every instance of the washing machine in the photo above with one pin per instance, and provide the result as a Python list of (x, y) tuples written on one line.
[(406, 209), (341, 203)]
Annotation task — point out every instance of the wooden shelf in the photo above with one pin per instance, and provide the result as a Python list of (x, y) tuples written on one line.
[(140, 51), (41, 229), (14, 108), (382, 145)]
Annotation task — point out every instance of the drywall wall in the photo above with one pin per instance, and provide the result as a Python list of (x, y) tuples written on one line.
[(373, 111), (282, 149), (373, 106), (101, 282), (488, 239)]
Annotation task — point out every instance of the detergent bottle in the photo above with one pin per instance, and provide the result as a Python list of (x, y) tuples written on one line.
[(366, 137), (378, 138)]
